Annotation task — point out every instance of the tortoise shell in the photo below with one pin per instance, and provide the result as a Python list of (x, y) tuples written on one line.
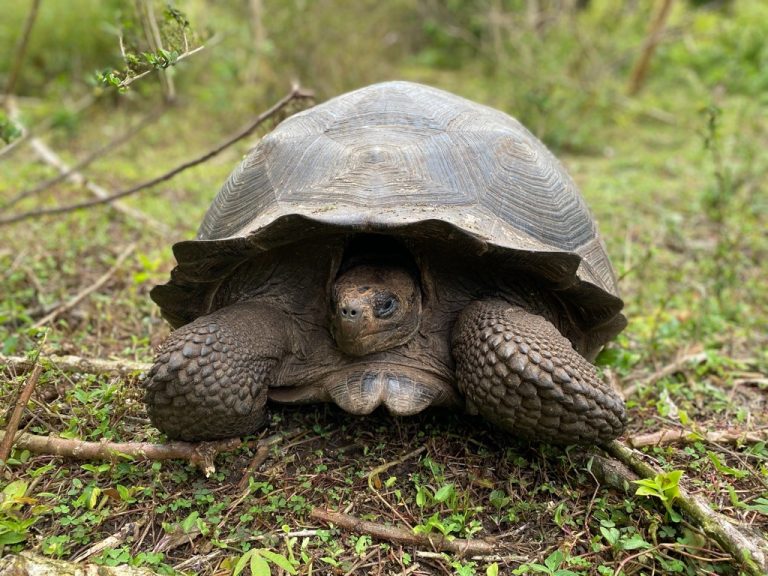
[(417, 163)]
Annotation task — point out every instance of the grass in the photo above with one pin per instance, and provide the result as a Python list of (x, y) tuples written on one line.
[(676, 179)]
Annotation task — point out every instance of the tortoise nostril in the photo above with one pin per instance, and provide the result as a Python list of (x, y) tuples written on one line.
[(350, 312)]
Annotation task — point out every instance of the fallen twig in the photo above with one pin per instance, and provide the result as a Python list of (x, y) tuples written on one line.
[(80, 296), (26, 393), (200, 454), (89, 159), (25, 563), (677, 366), (374, 482), (77, 364), (262, 453), (50, 157), (749, 550), (129, 530), (681, 436), (404, 536), (296, 93)]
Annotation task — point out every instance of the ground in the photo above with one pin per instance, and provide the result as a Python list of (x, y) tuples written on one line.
[(676, 179)]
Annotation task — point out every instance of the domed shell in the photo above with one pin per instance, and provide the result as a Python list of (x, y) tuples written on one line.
[(412, 161)]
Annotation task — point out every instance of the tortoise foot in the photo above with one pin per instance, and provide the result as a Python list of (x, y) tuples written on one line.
[(519, 372), (211, 376)]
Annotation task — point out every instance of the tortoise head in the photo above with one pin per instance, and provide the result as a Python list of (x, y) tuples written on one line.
[(374, 308)]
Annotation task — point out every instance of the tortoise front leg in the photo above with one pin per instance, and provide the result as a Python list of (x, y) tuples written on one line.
[(519, 372), (211, 376)]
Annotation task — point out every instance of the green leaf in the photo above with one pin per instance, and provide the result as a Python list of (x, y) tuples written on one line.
[(259, 566), (444, 493), (725, 469), (492, 570), (277, 559), (554, 560)]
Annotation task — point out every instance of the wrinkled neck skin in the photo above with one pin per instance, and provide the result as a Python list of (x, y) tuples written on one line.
[(374, 308)]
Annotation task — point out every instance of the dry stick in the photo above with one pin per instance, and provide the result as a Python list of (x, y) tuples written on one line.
[(21, 48), (403, 536), (677, 366), (88, 160), (201, 453), (649, 47), (263, 453), (749, 550), (18, 410), (26, 562), (680, 436), (129, 530), (80, 296), (295, 94), (78, 364)]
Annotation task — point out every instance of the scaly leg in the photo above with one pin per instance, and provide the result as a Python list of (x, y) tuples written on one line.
[(519, 372), (211, 376)]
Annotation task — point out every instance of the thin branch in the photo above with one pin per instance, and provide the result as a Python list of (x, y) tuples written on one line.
[(21, 48), (403, 536), (128, 81), (50, 157), (201, 453), (637, 78), (26, 562), (748, 549), (21, 403), (681, 436), (80, 296), (150, 118), (78, 364), (128, 530), (295, 94)]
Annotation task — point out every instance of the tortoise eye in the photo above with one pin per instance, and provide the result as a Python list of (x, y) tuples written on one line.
[(385, 307)]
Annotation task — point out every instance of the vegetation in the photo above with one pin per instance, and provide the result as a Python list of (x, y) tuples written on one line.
[(674, 174)]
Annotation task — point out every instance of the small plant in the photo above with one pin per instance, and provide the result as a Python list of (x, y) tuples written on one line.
[(259, 560), (552, 566), (665, 487), (13, 526), (8, 130)]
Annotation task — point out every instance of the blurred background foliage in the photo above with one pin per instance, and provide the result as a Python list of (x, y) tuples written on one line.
[(560, 66)]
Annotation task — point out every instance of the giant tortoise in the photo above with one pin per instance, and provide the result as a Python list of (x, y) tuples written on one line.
[(396, 246)]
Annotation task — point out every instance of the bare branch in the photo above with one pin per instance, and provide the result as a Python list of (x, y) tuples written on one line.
[(77, 364), (149, 119), (404, 536), (21, 403), (201, 453), (681, 436), (296, 93), (21, 48), (27, 562), (637, 78)]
